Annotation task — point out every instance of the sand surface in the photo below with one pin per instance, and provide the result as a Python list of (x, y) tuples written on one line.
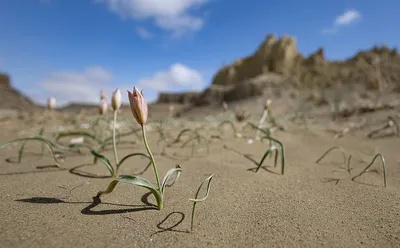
[(311, 205)]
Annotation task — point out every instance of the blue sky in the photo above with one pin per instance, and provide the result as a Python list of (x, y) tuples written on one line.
[(71, 49)]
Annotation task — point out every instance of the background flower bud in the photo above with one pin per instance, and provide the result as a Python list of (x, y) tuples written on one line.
[(103, 95), (51, 103), (103, 106), (116, 100)]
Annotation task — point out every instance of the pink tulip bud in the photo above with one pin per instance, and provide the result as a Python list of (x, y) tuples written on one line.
[(116, 100), (51, 103), (103, 95), (138, 106), (103, 106)]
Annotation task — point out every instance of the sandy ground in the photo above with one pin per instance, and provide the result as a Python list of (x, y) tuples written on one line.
[(311, 205)]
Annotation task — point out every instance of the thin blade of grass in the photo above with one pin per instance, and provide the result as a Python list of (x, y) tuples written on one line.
[(196, 200)]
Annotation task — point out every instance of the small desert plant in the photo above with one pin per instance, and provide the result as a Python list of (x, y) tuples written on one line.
[(366, 169), (22, 147), (196, 199), (194, 137), (331, 149), (50, 145), (270, 150), (140, 112)]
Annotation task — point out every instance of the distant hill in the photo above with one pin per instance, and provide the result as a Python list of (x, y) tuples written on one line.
[(11, 98)]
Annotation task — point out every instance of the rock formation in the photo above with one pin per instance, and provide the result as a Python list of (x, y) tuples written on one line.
[(11, 98), (277, 61)]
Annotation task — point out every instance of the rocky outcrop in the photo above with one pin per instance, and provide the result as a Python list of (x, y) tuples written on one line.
[(11, 98), (4, 81), (181, 98), (377, 68), (273, 55)]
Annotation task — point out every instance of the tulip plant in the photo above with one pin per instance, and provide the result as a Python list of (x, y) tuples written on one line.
[(140, 112)]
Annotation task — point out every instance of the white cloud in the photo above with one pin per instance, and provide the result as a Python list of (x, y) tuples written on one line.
[(178, 77), (170, 15), (144, 33), (348, 17), (76, 87), (85, 86)]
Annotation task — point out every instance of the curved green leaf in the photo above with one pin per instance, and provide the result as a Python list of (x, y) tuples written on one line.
[(178, 171), (21, 151), (41, 132), (131, 155), (138, 181), (77, 133), (49, 144), (370, 164), (220, 125), (104, 160)]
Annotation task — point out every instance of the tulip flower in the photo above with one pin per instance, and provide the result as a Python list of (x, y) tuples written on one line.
[(138, 106), (103, 106), (51, 103), (103, 95), (116, 100), (140, 112)]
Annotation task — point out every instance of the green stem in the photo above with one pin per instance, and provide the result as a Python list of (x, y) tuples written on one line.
[(115, 144), (153, 162)]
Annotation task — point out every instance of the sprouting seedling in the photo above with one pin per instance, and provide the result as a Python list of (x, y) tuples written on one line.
[(224, 123), (366, 169), (391, 122), (140, 112), (331, 149), (50, 145), (196, 199), (193, 137), (270, 150)]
